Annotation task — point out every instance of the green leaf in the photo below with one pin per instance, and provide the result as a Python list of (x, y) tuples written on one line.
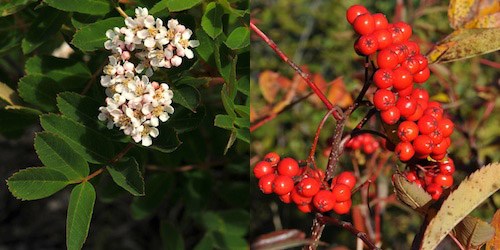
[(243, 111), (44, 27), (171, 237), (206, 48), (192, 81), (184, 120), (128, 176), (206, 243), (232, 139), (56, 154), (80, 20), (78, 108), (244, 85), (157, 187), (94, 7), (71, 72), (230, 222), (39, 91), (187, 96), (178, 5), (211, 22), (81, 206), (224, 121), (233, 242), (238, 39), (13, 122), (230, 10), (168, 140), (90, 144), (36, 183), (10, 7), (243, 134), (159, 7), (93, 36)]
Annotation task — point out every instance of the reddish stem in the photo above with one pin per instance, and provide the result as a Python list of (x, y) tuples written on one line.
[(318, 131), (349, 227), (302, 74)]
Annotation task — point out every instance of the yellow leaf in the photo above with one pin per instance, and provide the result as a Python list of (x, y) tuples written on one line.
[(441, 97), (494, 243), (488, 21), (469, 194), (460, 11), (8, 95), (465, 43), (411, 194)]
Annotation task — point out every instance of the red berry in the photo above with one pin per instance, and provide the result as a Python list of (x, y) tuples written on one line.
[(440, 148), (443, 180), (411, 64), (384, 38), (319, 174), (305, 208), (299, 199), (418, 113), (272, 158), (404, 151), (383, 99), (436, 136), (437, 157), (447, 167), (355, 11), (262, 168), (405, 92), (366, 45), (387, 59), (383, 78), (427, 124), (282, 184), (411, 176), (288, 167), (435, 111), (401, 32), (308, 187), (323, 201), (368, 148), (266, 183), (422, 61), (342, 207), (286, 198), (402, 78), (446, 126), (413, 48), (341, 192), (423, 145), (422, 75), (346, 178), (406, 105), (380, 20), (364, 24), (401, 51), (407, 131), (421, 95), (390, 116), (434, 190)]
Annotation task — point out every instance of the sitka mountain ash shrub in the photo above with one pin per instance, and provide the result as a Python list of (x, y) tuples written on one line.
[(415, 136), (148, 98)]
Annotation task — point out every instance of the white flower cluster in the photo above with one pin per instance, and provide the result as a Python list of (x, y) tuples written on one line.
[(133, 103)]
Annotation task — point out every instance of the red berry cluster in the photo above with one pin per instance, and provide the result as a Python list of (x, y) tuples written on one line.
[(423, 131), (433, 178), (366, 142), (304, 186)]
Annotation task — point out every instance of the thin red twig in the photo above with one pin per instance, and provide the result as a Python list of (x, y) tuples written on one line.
[(349, 227), (302, 74), (318, 131)]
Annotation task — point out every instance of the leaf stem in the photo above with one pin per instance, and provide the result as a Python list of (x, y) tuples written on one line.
[(349, 227), (318, 131), (116, 158), (120, 10), (302, 74)]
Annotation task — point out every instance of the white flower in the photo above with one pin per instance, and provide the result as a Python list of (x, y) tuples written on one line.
[(183, 44)]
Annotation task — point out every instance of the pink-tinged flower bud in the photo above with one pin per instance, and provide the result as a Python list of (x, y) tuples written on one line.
[(125, 55), (156, 85)]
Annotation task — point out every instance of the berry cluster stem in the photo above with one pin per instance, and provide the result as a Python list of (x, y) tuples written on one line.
[(302, 74)]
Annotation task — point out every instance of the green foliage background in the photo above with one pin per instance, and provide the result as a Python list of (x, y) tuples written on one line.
[(190, 187), (315, 33)]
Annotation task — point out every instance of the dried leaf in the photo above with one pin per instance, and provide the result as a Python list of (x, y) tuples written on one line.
[(469, 194), (494, 243), (268, 84), (411, 194), (8, 95), (338, 94), (473, 13), (465, 43), (473, 232), (461, 11)]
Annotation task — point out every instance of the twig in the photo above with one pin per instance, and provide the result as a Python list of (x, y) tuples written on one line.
[(116, 158), (316, 232), (349, 227), (302, 74), (120, 10), (92, 79), (318, 131)]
